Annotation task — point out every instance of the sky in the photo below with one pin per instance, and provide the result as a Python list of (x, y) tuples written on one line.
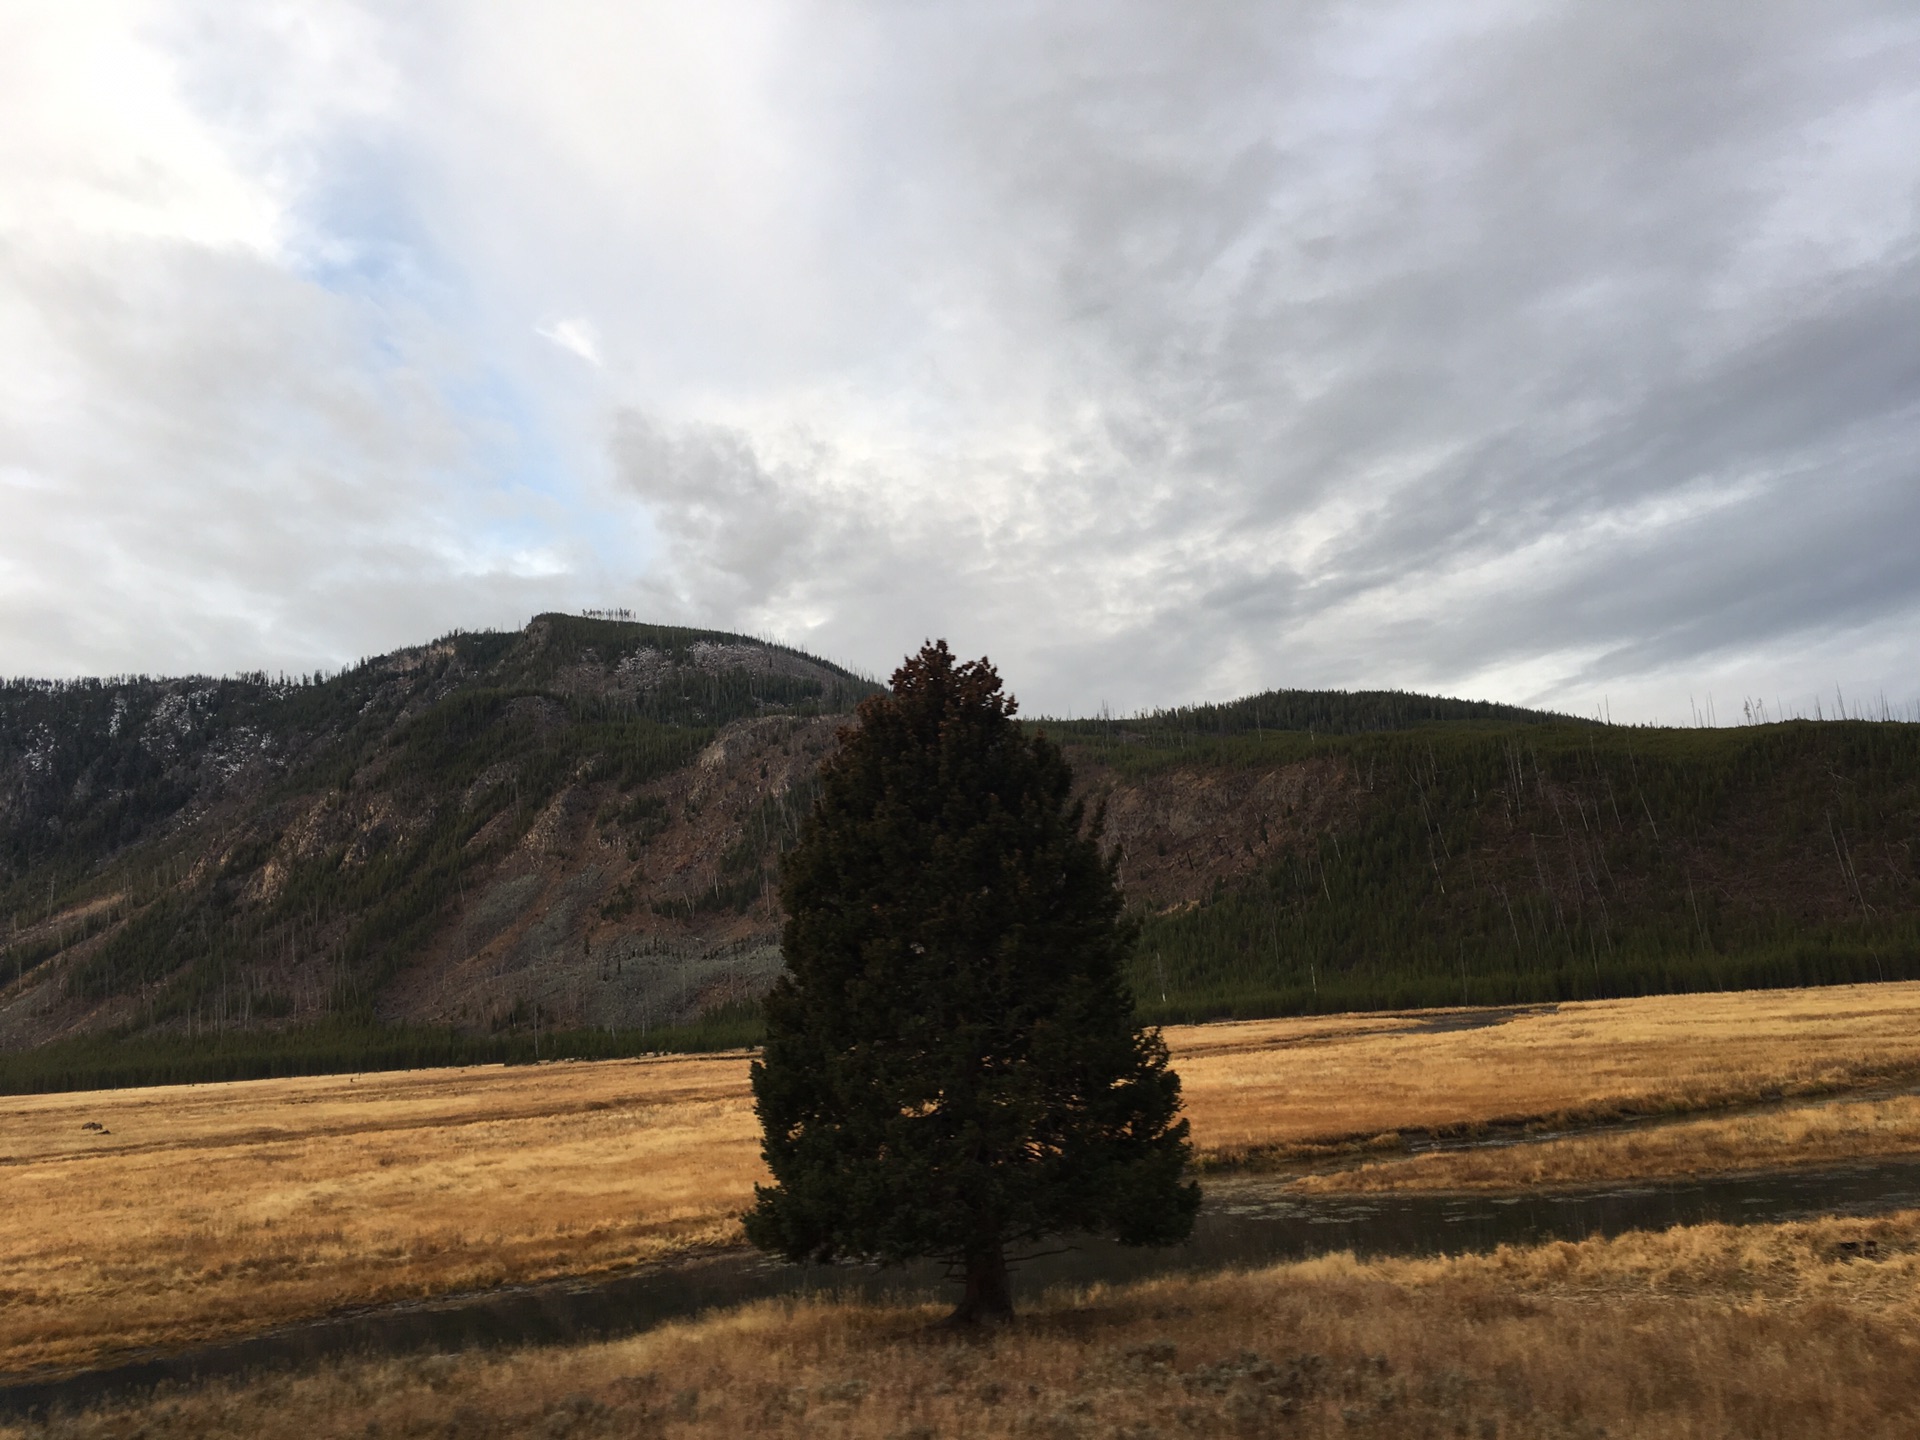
[(1559, 354)]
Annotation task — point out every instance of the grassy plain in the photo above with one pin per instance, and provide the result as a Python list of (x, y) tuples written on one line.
[(1282, 1090), (201, 1212), (1823, 1132), (1710, 1333), (211, 1210)]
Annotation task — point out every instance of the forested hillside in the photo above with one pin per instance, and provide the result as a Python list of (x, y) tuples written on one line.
[(564, 840), (1466, 864), (485, 838)]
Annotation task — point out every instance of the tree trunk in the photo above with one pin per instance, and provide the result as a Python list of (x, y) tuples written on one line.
[(988, 1298)]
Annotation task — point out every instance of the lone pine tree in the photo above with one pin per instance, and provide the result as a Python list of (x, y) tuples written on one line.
[(953, 1064)]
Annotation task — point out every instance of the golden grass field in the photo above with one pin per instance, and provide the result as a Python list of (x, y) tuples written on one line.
[(211, 1211), (1709, 1333), (1296, 1089), (1829, 1131)]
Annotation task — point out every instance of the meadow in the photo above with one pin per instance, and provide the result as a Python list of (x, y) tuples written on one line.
[(193, 1213), (1828, 1132), (1776, 1332)]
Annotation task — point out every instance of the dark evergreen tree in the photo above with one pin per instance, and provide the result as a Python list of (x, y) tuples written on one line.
[(953, 1064)]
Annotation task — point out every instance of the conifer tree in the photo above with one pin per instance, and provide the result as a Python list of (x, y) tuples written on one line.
[(953, 1065)]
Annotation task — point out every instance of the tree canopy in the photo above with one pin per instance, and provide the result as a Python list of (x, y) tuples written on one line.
[(953, 1064)]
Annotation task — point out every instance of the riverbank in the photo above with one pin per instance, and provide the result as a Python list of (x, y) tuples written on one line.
[(1773, 1332)]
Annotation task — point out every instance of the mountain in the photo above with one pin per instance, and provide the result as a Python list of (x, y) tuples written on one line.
[(565, 838), (571, 825)]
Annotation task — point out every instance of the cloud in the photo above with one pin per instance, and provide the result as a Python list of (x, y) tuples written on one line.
[(577, 337), (1163, 353), (210, 457)]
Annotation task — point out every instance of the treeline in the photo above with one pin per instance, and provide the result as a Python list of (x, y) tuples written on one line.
[(1319, 712), (1562, 863), (119, 1060)]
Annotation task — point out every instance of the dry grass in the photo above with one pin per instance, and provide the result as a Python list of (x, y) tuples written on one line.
[(1283, 1089), (216, 1210), (1712, 1333), (1774, 1139)]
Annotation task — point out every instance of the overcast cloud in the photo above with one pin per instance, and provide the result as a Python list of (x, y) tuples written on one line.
[(1556, 354)]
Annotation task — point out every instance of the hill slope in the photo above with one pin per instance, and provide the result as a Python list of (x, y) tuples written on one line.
[(569, 825), (456, 850), (1467, 864)]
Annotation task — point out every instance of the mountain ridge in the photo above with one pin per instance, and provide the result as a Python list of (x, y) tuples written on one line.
[(576, 827)]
